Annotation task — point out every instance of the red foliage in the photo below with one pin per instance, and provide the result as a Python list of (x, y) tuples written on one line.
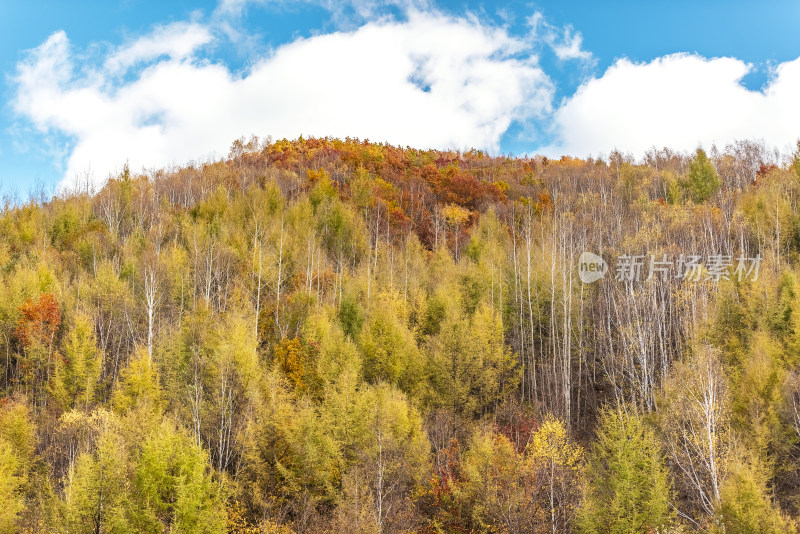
[(764, 170), (447, 470), (517, 423), (39, 320), (408, 183), (454, 186)]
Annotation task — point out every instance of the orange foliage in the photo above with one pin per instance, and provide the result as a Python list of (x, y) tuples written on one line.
[(569, 161), (544, 201), (317, 175), (408, 183), (39, 320)]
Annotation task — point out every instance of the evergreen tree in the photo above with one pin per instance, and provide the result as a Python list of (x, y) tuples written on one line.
[(628, 487), (702, 180), (745, 506), (796, 160), (175, 490), (96, 498), (16, 460)]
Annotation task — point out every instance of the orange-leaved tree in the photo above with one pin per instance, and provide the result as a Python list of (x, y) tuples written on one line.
[(36, 331)]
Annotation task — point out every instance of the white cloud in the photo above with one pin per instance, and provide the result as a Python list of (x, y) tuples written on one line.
[(344, 12), (565, 42), (432, 81), (177, 41), (570, 47), (429, 81), (231, 7), (678, 101)]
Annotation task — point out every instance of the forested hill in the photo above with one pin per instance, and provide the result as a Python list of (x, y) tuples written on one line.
[(341, 336)]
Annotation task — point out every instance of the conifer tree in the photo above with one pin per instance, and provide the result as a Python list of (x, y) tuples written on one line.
[(702, 180), (628, 487)]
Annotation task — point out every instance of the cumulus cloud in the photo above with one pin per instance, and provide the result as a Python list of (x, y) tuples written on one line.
[(430, 81), (678, 101)]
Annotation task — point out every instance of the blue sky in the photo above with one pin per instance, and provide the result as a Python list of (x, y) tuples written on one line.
[(88, 86)]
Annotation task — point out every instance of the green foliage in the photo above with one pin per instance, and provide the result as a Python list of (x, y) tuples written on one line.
[(470, 368), (323, 189), (12, 481), (81, 371), (139, 386), (390, 351), (317, 355), (96, 498), (175, 488), (432, 317), (745, 505), (351, 316), (391, 460), (267, 455), (628, 487), (702, 180), (796, 161), (757, 398), (17, 442), (675, 193)]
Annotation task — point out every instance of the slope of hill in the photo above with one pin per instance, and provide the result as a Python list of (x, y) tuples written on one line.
[(334, 335)]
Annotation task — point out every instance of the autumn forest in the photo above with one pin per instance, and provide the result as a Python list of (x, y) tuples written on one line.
[(327, 335)]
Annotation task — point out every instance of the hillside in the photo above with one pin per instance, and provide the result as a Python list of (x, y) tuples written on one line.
[(328, 335)]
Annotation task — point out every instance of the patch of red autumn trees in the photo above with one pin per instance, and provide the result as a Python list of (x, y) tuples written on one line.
[(39, 320)]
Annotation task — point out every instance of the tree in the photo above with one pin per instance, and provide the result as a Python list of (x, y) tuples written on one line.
[(389, 349), (139, 386), (12, 482), (392, 457), (557, 461), (174, 484), (152, 297), (695, 419), (702, 180), (494, 484), (36, 331), (535, 490), (17, 441), (745, 506), (290, 358), (469, 367), (82, 363), (97, 491), (628, 489), (267, 454), (289, 334), (456, 217)]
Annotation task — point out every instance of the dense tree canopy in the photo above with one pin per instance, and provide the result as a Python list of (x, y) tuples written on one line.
[(334, 335)]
